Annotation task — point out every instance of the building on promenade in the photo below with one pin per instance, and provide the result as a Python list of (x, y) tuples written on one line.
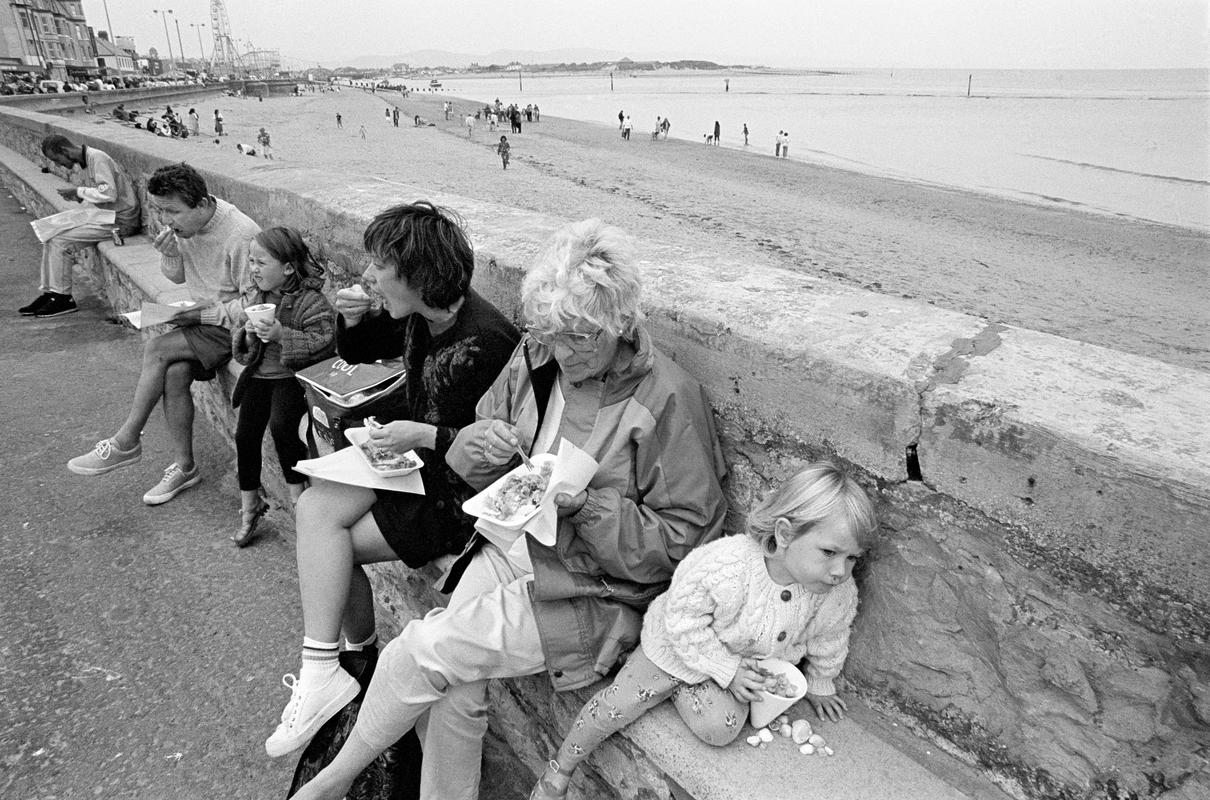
[(50, 38), (113, 59)]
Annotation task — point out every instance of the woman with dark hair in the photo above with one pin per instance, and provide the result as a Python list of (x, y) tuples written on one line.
[(296, 332), (454, 344)]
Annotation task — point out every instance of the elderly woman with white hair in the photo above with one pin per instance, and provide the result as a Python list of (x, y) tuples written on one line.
[(587, 372)]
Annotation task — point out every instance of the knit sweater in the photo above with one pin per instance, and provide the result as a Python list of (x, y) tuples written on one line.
[(723, 606), (308, 331), (213, 262)]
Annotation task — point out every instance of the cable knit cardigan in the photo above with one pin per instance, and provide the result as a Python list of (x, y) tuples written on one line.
[(308, 328), (723, 606)]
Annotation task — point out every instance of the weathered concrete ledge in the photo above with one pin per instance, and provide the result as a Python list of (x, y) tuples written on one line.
[(1014, 471)]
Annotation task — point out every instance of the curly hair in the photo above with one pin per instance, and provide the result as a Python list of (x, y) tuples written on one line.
[(586, 272), (181, 180)]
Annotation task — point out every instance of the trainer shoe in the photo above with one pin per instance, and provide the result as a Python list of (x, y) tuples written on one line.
[(57, 306), (175, 481), (104, 457), (308, 710), (32, 308)]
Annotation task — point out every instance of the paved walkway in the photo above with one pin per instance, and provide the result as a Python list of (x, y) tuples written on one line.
[(140, 651)]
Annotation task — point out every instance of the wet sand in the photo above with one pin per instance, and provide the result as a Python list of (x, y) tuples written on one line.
[(1135, 286)]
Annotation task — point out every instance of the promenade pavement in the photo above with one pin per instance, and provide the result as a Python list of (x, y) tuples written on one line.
[(141, 652)]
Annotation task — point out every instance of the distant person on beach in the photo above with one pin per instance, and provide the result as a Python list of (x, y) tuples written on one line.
[(195, 122), (785, 145), (503, 150), (446, 106), (339, 121), (655, 134), (515, 117), (666, 126), (203, 244), (416, 121), (300, 332), (626, 128), (266, 149), (718, 133), (469, 122), (777, 144), (395, 117), (246, 149), (745, 134), (363, 131), (218, 123), (104, 185), (537, 113), (621, 119)]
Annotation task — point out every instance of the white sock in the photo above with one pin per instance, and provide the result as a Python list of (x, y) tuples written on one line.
[(357, 647), (320, 660)]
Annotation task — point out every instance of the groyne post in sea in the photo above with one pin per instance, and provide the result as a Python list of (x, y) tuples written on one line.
[(1040, 603)]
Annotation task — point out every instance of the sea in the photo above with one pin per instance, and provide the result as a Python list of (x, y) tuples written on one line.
[(1134, 143)]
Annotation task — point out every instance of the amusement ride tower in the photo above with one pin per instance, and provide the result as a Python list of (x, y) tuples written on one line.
[(226, 59)]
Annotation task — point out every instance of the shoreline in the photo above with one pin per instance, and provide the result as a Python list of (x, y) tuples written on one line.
[(1126, 284)]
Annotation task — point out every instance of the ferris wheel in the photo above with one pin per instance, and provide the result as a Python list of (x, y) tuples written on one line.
[(226, 58)]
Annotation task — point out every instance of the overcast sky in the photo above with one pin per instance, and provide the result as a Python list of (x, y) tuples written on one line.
[(983, 34)]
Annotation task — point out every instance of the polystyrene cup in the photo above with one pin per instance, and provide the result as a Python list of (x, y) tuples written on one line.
[(768, 706), (261, 312)]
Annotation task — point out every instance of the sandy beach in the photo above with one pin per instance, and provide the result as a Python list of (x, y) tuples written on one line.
[(1110, 281)]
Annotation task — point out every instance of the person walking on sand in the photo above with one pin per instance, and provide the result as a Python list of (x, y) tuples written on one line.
[(469, 122), (503, 150), (195, 122), (718, 133), (363, 131), (665, 126), (621, 119), (262, 139), (745, 134), (395, 117), (777, 145), (626, 128), (785, 145), (339, 121), (218, 123)]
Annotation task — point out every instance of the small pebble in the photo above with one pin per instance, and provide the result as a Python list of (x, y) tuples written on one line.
[(753, 740), (817, 740), (785, 730), (782, 720), (806, 748), (828, 751), (801, 731), (765, 735)]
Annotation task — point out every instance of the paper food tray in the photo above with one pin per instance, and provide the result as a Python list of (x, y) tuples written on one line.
[(477, 505), (358, 436)]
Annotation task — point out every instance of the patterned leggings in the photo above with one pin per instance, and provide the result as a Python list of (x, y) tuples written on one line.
[(712, 713)]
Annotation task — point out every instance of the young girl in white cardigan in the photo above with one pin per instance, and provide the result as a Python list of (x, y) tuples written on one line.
[(784, 591)]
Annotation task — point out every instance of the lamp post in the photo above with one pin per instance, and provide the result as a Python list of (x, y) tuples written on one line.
[(177, 23), (171, 57), (197, 26)]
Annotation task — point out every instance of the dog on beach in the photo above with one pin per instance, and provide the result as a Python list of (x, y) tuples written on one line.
[(709, 138)]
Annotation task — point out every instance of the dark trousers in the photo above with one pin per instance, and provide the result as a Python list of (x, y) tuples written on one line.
[(277, 405)]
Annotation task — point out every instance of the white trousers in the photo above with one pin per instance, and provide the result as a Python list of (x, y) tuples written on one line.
[(441, 664), (56, 268)]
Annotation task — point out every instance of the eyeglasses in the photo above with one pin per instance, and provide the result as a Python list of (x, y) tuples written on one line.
[(574, 340)]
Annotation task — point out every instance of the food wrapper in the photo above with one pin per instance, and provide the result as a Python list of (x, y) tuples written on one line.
[(157, 313), (573, 469), (348, 466)]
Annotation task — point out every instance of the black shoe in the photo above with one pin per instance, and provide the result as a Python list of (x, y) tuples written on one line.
[(32, 308), (57, 306)]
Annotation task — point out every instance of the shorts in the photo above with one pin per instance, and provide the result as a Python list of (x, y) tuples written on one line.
[(211, 346)]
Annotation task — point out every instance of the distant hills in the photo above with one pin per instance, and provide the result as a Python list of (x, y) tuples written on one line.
[(452, 60)]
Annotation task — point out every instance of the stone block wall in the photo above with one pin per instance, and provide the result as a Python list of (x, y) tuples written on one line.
[(1040, 600)]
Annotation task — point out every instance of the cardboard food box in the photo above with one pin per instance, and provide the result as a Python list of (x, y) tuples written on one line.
[(341, 395)]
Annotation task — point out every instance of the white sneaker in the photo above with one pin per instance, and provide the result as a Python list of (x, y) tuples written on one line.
[(308, 710)]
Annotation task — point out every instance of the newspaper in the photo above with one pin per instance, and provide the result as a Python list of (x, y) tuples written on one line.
[(49, 227)]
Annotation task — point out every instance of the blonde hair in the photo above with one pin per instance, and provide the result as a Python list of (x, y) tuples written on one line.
[(816, 492), (587, 271)]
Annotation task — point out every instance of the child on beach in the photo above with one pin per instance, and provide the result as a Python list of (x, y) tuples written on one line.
[(782, 590), (503, 149), (218, 123), (302, 330), (263, 140)]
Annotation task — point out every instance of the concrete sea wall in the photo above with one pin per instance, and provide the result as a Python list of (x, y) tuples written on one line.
[(1040, 601)]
